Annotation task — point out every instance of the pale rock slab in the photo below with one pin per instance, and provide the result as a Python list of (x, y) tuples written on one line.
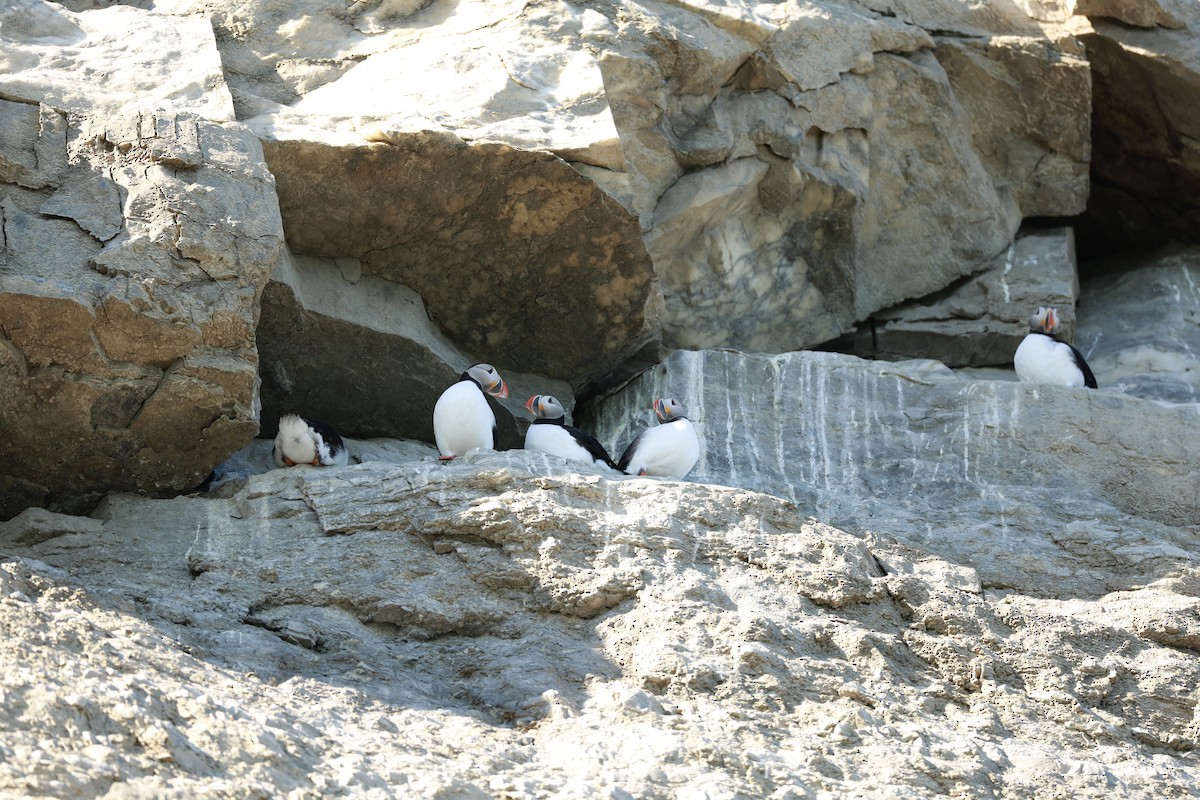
[(1011, 479), (979, 321), (1142, 327), (111, 60), (134, 252), (504, 625)]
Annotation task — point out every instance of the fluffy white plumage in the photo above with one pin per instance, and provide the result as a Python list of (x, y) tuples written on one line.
[(300, 441), (1042, 358), (671, 449), (550, 434), (462, 418)]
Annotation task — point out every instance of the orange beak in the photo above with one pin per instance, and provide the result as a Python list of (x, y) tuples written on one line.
[(501, 392), (660, 409), (529, 404)]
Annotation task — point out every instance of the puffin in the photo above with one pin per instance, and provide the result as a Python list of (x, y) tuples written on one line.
[(550, 433), (305, 441), (669, 450), (462, 418), (1044, 358)]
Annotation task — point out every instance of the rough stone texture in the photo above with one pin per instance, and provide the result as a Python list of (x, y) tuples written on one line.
[(111, 60), (359, 352), (1028, 100), (518, 257), (504, 627), (1142, 326), (1172, 14), (794, 167), (912, 450), (979, 321), (1146, 125), (134, 250)]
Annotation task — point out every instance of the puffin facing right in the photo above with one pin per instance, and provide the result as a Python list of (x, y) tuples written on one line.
[(462, 419), (1044, 358), (671, 449), (550, 433)]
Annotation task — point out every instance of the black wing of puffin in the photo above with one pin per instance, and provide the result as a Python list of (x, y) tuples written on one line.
[(1089, 380), (328, 434), (593, 446), (627, 456)]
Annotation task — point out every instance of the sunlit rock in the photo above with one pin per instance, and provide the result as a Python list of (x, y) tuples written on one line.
[(1000, 475), (134, 252)]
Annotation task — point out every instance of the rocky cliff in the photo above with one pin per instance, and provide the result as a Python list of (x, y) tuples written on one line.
[(884, 577)]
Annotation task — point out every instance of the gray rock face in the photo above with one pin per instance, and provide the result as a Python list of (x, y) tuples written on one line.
[(133, 255), (518, 257), (1004, 477), (982, 320), (1142, 327), (505, 626)]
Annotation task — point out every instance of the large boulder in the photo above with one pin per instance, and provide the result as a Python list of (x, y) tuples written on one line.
[(508, 626), (134, 252), (1001, 475), (520, 260), (794, 167)]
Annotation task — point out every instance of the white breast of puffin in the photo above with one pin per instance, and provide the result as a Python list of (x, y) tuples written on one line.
[(1040, 359), (462, 420)]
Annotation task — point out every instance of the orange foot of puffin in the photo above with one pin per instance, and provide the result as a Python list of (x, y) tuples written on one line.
[(446, 458)]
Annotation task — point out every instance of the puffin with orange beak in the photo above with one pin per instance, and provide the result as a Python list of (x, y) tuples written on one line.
[(550, 433), (462, 418), (306, 441), (671, 449), (1044, 358)]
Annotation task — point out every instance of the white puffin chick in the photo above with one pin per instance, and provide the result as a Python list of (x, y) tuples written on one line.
[(671, 449), (462, 418), (305, 441), (1043, 358), (550, 433)]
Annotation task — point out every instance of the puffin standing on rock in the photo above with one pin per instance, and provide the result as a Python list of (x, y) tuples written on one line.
[(304, 441), (550, 433), (670, 449), (462, 418), (1044, 358)]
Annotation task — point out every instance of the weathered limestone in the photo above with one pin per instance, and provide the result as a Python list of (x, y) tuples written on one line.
[(133, 255), (982, 320), (1001, 475), (504, 626), (1142, 326), (1028, 101), (794, 167), (359, 352), (518, 258)]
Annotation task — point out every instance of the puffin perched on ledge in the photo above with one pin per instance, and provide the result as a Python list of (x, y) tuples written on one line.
[(304, 441), (462, 418), (550, 433), (671, 449), (1044, 358)]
